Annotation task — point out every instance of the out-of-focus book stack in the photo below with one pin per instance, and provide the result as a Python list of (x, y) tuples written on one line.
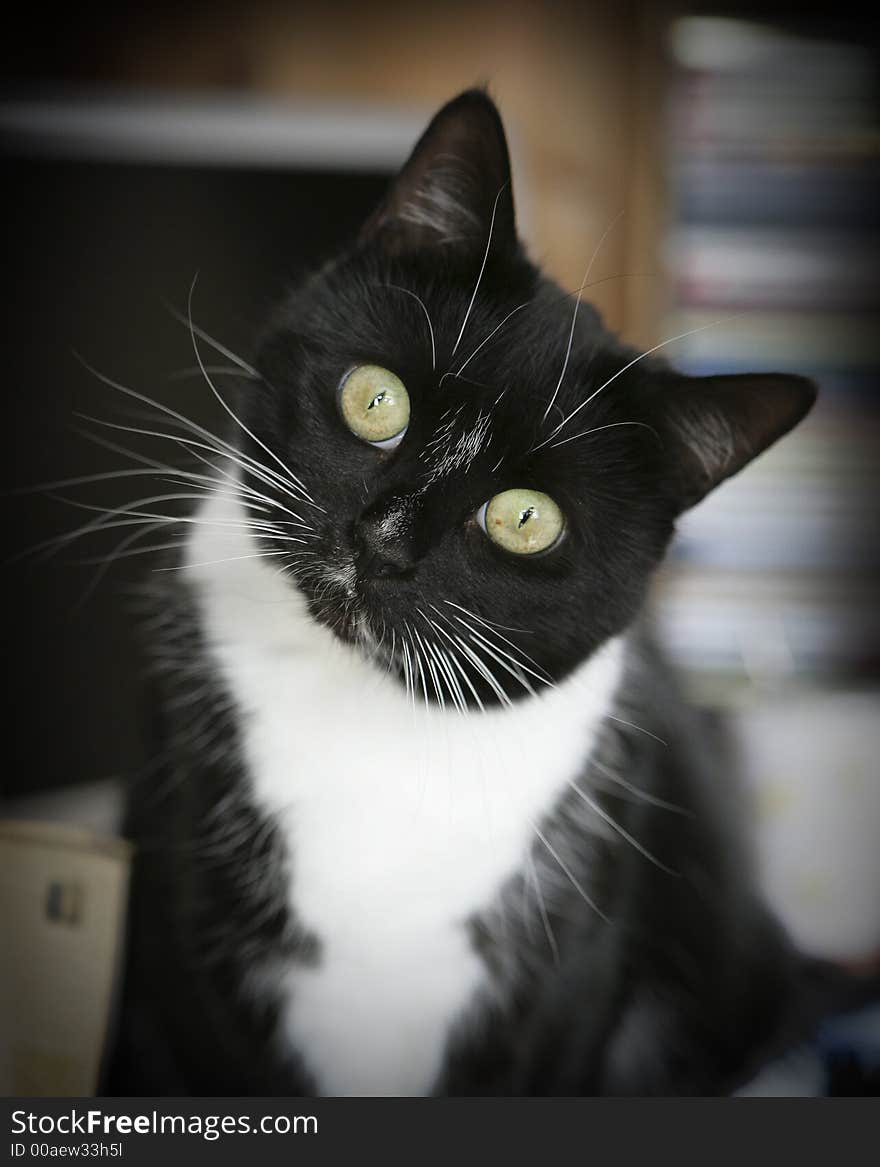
[(774, 151)]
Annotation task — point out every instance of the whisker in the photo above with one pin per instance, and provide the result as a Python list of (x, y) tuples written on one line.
[(288, 472), (106, 521), (118, 554), (536, 304), (484, 671), (493, 629), (637, 792), (418, 663), (574, 315), (214, 370), (234, 456), (212, 341), (228, 559), (443, 664), (574, 882), (635, 361), (437, 689), (482, 269), (641, 729), (409, 672), (461, 670), (597, 429), (486, 340), (178, 544), (597, 809), (518, 667), (491, 624), (421, 303), (216, 445), (542, 908)]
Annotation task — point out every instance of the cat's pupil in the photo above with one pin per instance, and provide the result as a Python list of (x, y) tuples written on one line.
[(525, 516), (377, 400)]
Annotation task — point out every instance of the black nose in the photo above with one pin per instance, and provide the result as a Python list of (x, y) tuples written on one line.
[(383, 544)]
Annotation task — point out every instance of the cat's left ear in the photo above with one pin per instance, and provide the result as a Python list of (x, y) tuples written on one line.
[(717, 425), (455, 187)]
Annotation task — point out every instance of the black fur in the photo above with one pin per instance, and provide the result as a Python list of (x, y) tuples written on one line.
[(661, 440), (686, 984)]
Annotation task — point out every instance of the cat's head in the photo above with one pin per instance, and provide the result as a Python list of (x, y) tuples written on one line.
[(493, 476)]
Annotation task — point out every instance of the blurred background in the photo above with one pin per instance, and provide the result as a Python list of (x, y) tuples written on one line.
[(245, 141)]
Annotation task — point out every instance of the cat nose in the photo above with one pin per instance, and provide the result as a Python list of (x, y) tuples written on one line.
[(383, 545)]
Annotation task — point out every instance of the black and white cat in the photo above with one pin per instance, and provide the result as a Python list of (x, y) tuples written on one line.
[(432, 817)]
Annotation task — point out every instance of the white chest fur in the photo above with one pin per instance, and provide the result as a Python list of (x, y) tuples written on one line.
[(400, 822)]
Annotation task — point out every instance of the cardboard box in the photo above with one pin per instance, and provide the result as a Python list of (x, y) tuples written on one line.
[(63, 899)]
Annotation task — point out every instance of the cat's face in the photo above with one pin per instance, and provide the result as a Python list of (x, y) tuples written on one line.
[(492, 476)]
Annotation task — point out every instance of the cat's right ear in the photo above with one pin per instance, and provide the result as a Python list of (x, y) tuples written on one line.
[(455, 188), (716, 425)]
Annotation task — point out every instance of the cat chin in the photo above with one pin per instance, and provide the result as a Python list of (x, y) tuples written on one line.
[(335, 602), (343, 614)]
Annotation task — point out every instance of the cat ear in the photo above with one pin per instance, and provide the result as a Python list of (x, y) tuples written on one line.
[(719, 424), (455, 186)]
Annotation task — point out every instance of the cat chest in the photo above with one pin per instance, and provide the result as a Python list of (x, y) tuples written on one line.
[(387, 884), (400, 824)]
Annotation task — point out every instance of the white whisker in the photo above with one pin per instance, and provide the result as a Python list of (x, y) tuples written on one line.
[(542, 908), (574, 315), (421, 302), (597, 429), (228, 559), (634, 361), (486, 340), (641, 729), (456, 653), (118, 554), (515, 668), (191, 445), (214, 370), (637, 792), (482, 269), (597, 809), (574, 882), (287, 471), (212, 341), (493, 629), (216, 445)]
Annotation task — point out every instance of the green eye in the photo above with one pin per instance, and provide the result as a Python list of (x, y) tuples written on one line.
[(522, 521), (374, 404)]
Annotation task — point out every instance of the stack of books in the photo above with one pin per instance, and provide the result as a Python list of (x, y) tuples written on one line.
[(774, 156)]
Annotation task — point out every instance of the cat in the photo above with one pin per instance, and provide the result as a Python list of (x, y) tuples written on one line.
[(429, 814)]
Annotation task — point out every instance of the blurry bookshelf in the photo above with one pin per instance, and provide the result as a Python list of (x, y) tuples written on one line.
[(773, 155), (117, 200)]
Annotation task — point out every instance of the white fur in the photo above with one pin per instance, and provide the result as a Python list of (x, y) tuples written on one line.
[(445, 456), (441, 205), (401, 821)]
